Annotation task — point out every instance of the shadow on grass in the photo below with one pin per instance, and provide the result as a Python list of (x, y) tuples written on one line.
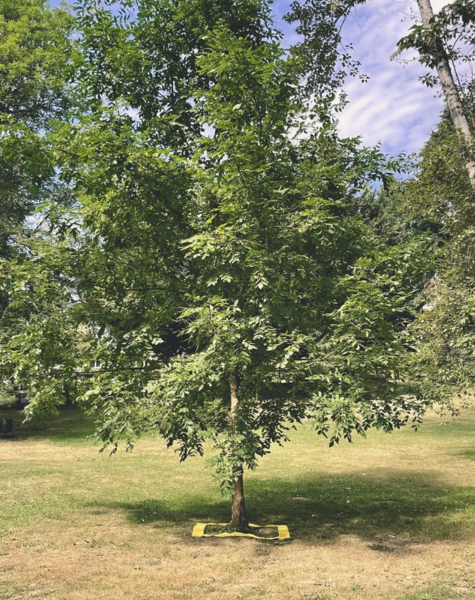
[(70, 425), (373, 507), (468, 453)]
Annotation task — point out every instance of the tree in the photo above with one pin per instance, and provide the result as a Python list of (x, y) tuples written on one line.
[(437, 45), (34, 43), (228, 290), (444, 331), (145, 56), (111, 151), (440, 195), (33, 40)]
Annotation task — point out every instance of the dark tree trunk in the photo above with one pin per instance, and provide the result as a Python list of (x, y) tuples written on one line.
[(238, 507), (67, 395)]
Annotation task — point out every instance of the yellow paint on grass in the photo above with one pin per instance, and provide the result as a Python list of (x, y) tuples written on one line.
[(282, 531)]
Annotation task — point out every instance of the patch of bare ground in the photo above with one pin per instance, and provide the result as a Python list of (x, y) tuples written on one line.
[(116, 561)]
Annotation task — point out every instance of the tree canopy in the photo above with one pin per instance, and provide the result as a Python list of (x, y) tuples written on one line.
[(33, 42)]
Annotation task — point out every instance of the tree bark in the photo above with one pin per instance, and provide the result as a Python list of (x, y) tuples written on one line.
[(451, 93), (238, 507)]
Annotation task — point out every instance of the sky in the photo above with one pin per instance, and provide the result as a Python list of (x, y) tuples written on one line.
[(394, 108)]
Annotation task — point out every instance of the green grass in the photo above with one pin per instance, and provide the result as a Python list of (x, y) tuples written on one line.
[(439, 593), (380, 501), (389, 493), (69, 427)]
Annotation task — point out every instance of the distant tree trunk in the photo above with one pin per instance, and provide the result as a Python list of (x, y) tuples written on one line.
[(450, 90), (67, 395), (238, 508)]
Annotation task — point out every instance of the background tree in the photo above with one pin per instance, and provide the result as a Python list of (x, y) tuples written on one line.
[(112, 152), (440, 196), (440, 192), (34, 44), (445, 39), (33, 40)]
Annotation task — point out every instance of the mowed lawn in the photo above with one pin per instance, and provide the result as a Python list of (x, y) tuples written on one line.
[(388, 517)]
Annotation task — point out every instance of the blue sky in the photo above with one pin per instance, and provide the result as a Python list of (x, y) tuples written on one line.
[(393, 108)]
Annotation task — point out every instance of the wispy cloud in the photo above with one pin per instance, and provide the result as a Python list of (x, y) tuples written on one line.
[(393, 107)]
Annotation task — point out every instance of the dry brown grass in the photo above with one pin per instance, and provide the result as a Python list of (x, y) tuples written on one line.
[(78, 525)]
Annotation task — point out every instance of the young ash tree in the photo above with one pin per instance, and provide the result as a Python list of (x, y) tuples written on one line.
[(290, 310), (230, 290)]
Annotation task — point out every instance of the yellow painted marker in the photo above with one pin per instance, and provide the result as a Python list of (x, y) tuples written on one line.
[(282, 530)]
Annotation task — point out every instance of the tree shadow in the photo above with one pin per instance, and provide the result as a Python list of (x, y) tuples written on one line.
[(467, 453), (379, 505), (70, 425)]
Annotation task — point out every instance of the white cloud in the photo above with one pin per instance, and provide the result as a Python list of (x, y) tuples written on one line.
[(394, 107)]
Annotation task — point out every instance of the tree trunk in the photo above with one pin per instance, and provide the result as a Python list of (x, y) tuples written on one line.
[(67, 396), (451, 93), (238, 508)]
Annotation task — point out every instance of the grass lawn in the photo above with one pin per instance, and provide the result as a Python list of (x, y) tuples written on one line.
[(391, 517)]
